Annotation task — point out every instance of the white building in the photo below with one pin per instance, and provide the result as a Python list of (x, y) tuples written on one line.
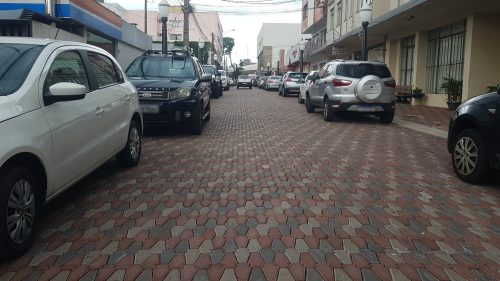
[(273, 41)]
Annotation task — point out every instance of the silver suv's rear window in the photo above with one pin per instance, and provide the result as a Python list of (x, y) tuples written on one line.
[(363, 69), (297, 75)]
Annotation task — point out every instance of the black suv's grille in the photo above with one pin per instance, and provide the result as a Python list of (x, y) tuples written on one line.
[(148, 95)]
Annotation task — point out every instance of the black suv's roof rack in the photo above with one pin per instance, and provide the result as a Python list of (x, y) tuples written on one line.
[(175, 52)]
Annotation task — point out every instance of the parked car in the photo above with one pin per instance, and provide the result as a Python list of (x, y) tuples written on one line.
[(65, 109), (253, 78), (216, 83), (290, 83), (261, 81), (273, 82), (224, 80), (305, 86), (172, 89), (244, 81), (356, 86), (474, 137)]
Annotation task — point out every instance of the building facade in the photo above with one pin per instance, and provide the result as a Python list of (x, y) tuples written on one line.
[(273, 41), (74, 20), (203, 26), (314, 22), (423, 42)]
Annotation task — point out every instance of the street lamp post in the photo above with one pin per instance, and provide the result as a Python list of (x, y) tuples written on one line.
[(200, 46), (268, 66), (164, 10), (302, 46), (365, 14)]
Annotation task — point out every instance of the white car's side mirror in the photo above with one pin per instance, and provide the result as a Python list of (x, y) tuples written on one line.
[(67, 89)]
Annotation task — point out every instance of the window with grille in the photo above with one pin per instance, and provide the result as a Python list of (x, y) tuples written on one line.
[(407, 51), (445, 55)]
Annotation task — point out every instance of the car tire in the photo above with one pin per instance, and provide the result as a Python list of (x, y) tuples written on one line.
[(250, 87), (131, 154), (285, 93), (299, 99), (328, 113), (197, 122), (469, 141), (237, 87), (13, 180), (386, 117), (309, 107), (207, 118)]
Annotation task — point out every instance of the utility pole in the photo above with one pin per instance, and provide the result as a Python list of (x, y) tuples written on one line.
[(213, 48), (186, 24), (146, 16)]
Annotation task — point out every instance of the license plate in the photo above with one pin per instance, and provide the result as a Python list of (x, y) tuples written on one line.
[(150, 108), (367, 108)]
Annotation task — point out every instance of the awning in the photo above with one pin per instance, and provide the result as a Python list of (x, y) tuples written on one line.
[(26, 15)]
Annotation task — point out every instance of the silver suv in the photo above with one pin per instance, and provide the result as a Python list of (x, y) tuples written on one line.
[(291, 83), (353, 86)]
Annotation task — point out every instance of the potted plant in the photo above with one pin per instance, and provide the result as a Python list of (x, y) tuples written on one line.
[(453, 89), (416, 93), (492, 88)]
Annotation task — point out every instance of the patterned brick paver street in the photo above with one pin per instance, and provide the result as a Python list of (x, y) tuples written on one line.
[(269, 192)]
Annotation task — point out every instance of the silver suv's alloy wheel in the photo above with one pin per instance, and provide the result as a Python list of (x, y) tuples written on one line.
[(20, 211), (465, 156)]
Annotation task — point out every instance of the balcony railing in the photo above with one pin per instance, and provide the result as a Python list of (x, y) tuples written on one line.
[(314, 44)]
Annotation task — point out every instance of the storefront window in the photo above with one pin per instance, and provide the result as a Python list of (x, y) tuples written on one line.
[(445, 55), (101, 42), (407, 51)]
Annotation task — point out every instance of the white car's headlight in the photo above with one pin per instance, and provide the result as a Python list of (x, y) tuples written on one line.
[(180, 93)]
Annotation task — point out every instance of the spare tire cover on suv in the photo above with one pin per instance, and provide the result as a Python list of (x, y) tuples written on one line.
[(369, 88)]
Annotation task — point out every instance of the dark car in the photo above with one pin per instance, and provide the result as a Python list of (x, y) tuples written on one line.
[(216, 84), (172, 88), (474, 137)]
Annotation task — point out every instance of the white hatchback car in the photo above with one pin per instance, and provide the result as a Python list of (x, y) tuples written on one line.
[(65, 109)]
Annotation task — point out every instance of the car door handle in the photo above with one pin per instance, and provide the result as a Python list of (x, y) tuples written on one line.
[(99, 111)]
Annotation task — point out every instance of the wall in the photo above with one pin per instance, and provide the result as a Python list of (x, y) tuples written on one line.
[(135, 37), (482, 55), (41, 30), (126, 54)]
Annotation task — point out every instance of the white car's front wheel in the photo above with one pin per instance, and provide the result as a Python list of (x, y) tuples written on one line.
[(18, 211), (131, 153)]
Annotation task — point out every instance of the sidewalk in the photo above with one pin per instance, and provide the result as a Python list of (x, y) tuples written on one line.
[(434, 117)]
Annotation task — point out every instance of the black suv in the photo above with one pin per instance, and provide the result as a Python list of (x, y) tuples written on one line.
[(474, 137), (172, 88), (216, 84)]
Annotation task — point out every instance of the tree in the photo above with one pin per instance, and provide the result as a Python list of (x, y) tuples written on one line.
[(228, 45)]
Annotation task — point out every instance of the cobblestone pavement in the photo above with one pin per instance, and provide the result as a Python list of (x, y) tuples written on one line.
[(271, 192)]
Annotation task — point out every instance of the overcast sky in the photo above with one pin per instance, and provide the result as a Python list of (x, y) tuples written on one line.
[(245, 18)]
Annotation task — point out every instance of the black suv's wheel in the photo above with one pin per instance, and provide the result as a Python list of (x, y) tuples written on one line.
[(19, 208), (469, 157), (197, 121), (309, 107), (386, 117), (131, 153), (327, 111), (207, 118)]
